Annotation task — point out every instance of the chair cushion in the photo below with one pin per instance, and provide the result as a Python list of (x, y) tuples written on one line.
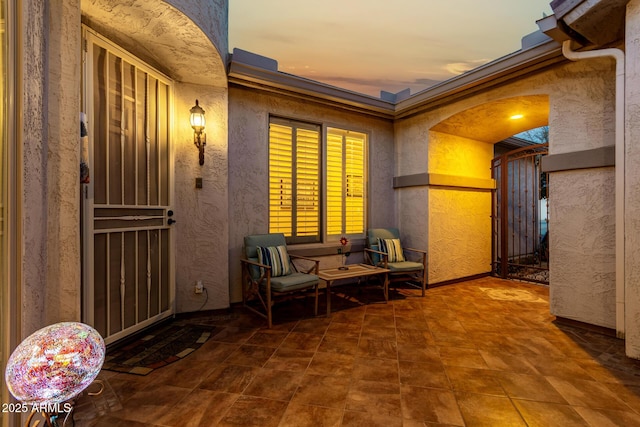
[(397, 267), (293, 282), (392, 248), (275, 257)]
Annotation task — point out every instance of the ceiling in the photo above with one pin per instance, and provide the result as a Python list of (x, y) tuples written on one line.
[(161, 35), (492, 122)]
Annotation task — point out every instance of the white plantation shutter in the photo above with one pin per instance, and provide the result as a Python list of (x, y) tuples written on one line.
[(307, 182), (280, 179), (346, 158), (335, 191), (354, 171), (294, 180)]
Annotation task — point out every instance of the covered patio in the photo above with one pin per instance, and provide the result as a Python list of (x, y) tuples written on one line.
[(481, 352)]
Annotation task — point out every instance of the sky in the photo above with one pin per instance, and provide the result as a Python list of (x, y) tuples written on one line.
[(373, 45)]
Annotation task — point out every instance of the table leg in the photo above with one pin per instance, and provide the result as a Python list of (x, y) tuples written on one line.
[(328, 291), (386, 287)]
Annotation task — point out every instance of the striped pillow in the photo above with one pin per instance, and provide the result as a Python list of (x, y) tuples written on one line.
[(392, 248), (275, 257)]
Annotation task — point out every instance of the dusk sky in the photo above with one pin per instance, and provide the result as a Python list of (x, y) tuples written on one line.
[(373, 45)]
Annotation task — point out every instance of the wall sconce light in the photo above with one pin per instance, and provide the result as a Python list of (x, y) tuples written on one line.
[(197, 123)]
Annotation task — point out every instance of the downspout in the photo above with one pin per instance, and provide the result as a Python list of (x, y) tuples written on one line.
[(618, 57)]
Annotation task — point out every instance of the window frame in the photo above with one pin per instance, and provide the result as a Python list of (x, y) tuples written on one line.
[(324, 128), (365, 185)]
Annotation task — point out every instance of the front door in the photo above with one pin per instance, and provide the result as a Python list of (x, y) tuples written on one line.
[(127, 192)]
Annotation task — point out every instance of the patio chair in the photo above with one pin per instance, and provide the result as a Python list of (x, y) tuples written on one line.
[(268, 271), (384, 249)]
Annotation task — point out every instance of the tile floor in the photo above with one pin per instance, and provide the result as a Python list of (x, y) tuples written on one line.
[(480, 353)]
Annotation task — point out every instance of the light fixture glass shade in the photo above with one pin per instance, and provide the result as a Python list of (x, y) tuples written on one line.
[(197, 117), (55, 363)]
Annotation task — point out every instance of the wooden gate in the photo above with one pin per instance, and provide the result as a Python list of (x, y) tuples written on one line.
[(520, 216)]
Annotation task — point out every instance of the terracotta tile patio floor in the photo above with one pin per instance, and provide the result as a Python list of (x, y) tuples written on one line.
[(480, 353)]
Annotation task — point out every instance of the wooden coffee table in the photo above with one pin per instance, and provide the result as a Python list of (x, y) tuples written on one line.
[(354, 271)]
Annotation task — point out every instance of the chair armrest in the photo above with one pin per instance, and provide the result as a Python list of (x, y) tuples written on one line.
[(415, 250), (257, 264), (421, 252), (315, 268), (303, 257), (383, 255), (265, 275)]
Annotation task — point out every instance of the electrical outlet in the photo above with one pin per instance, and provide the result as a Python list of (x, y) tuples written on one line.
[(199, 287)]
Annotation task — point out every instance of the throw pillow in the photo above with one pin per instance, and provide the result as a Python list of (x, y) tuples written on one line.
[(275, 257), (392, 248)]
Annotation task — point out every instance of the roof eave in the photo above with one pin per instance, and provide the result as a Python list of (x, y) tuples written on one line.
[(494, 73)]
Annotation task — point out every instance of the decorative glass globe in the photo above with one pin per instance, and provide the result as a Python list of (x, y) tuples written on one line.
[(55, 363)]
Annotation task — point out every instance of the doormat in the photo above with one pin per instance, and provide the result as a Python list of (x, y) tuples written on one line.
[(157, 348)]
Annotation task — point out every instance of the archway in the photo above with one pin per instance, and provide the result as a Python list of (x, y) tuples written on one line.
[(461, 149)]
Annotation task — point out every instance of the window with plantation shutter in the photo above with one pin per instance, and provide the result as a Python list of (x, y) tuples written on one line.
[(296, 187), (346, 158), (294, 180)]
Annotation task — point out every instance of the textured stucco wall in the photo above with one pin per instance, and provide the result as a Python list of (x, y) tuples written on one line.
[(454, 155), (186, 40), (582, 246), (248, 163), (632, 187), (63, 158), (212, 16), (50, 289), (459, 233), (459, 219), (202, 215), (581, 106), (581, 202), (34, 176)]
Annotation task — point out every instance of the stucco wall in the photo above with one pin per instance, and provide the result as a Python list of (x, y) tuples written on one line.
[(459, 233), (63, 176), (34, 194), (581, 202), (249, 111), (212, 16), (582, 246), (202, 215), (50, 288), (459, 219), (632, 187)]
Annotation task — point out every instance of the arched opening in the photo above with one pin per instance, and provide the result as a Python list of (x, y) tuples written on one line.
[(462, 218), (146, 64)]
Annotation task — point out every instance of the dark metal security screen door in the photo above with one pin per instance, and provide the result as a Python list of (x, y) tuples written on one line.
[(128, 268), (520, 215)]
